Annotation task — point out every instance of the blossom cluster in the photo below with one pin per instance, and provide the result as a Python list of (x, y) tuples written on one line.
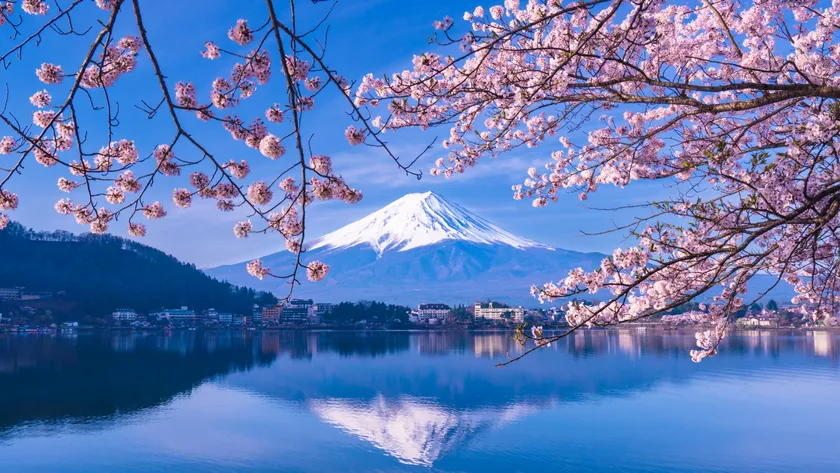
[(116, 183), (739, 117)]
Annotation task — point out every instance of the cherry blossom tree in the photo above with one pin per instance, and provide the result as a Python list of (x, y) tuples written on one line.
[(108, 180), (733, 105)]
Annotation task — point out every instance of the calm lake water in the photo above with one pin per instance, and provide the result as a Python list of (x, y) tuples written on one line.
[(621, 400)]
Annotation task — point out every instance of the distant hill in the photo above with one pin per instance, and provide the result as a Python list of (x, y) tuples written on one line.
[(102, 272)]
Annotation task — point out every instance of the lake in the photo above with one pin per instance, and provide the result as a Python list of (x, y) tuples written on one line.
[(625, 400)]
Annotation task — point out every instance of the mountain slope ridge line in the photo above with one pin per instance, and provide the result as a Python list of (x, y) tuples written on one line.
[(417, 220)]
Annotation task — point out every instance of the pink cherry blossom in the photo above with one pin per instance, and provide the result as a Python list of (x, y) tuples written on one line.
[(40, 99), (259, 193), (8, 200), (238, 170), (312, 84), (106, 4), (35, 7), (182, 198), (154, 211), (137, 229), (294, 246), (43, 118), (274, 114), (304, 104), (211, 51), (7, 145), (185, 94), (316, 271), (298, 68), (99, 224), (66, 185), (241, 34), (123, 151), (115, 61), (225, 205), (255, 268), (114, 195), (64, 207), (130, 43), (242, 229), (4, 218), (83, 215), (46, 158), (354, 136), (289, 186), (271, 147), (321, 164), (321, 189), (226, 190), (496, 12), (50, 73), (127, 182), (444, 24), (199, 180), (351, 196)]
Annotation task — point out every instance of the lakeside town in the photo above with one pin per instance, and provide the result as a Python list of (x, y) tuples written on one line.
[(29, 315)]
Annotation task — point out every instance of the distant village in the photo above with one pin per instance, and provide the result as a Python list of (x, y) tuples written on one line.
[(306, 313), (294, 313)]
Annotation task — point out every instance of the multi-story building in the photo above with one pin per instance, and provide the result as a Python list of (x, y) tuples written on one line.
[(320, 311), (759, 321), (10, 293), (271, 314), (224, 317), (296, 311), (211, 314), (493, 311), (124, 315), (425, 312), (175, 314), (256, 316)]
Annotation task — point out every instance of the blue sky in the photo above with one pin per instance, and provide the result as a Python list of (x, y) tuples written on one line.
[(378, 36)]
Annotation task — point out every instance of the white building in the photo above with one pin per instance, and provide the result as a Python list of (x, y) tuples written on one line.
[(297, 311), (426, 312), (762, 319), (320, 310), (225, 317), (124, 315), (491, 311), (10, 293), (182, 313)]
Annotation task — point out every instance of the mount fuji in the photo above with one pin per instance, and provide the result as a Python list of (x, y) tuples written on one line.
[(422, 248)]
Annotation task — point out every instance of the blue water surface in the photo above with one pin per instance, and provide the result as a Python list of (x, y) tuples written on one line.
[(625, 400)]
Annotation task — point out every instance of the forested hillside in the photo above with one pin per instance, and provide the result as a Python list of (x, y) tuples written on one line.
[(102, 272)]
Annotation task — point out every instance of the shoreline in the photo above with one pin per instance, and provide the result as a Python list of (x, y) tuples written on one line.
[(644, 327)]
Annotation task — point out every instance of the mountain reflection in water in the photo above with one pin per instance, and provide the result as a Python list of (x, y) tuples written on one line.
[(417, 397)]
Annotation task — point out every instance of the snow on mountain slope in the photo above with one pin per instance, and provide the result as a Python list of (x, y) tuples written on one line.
[(418, 220), (423, 247), (420, 246)]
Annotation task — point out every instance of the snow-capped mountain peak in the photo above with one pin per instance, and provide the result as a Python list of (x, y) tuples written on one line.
[(417, 220)]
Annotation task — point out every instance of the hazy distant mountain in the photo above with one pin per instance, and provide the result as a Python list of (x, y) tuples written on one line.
[(423, 247)]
